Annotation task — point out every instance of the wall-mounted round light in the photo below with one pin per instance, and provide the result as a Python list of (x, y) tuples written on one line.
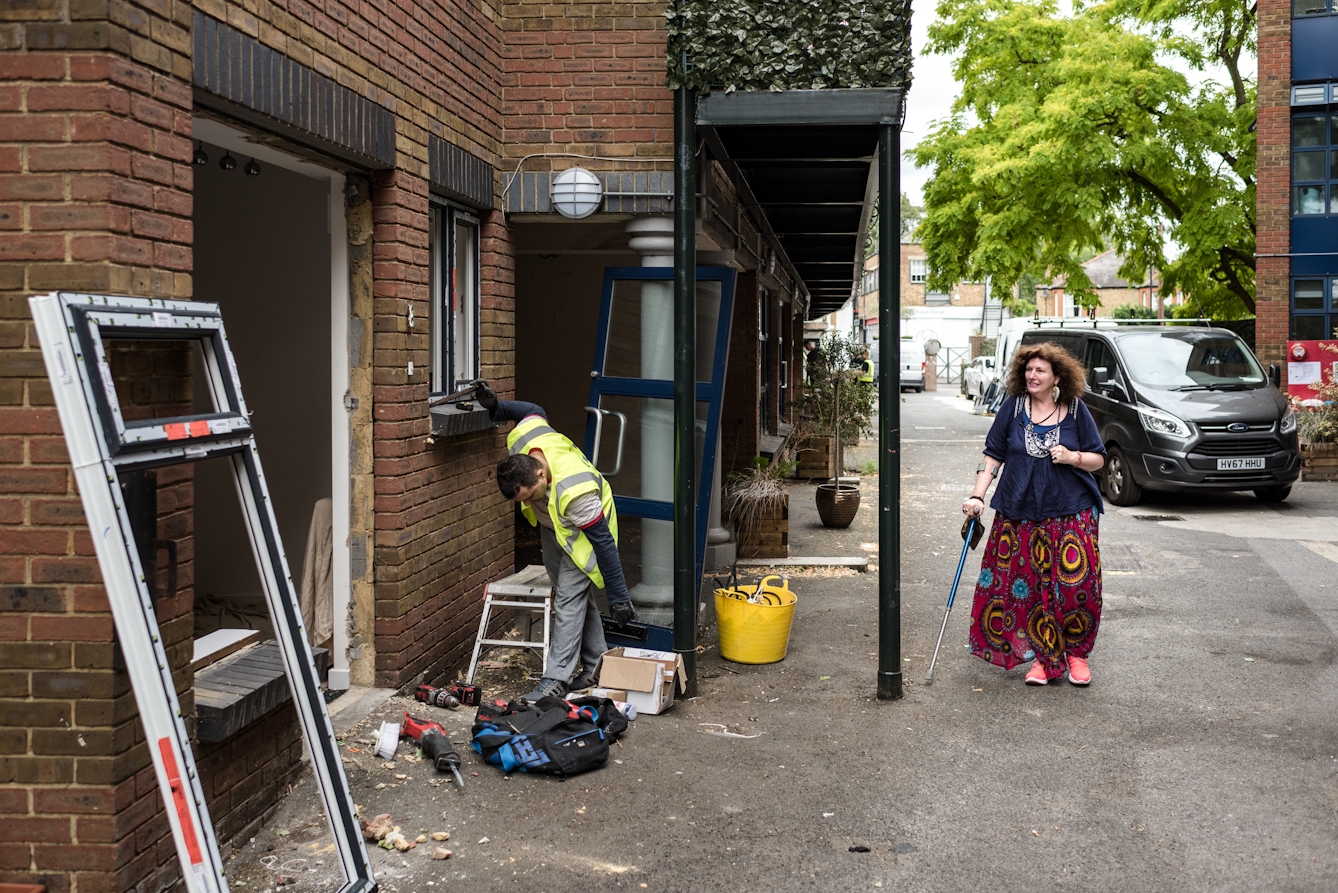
[(200, 156), (252, 169), (576, 193), (227, 162)]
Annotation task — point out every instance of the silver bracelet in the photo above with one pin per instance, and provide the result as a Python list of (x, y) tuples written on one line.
[(994, 472)]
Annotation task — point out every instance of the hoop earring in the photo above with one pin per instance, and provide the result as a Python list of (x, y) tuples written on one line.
[(1054, 393)]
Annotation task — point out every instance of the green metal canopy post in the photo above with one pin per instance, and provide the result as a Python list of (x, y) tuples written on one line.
[(685, 382), (889, 412)]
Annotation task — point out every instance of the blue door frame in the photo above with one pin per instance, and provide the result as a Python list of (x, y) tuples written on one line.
[(709, 392)]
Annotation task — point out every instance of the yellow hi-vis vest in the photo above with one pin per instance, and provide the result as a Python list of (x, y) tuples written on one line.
[(867, 371), (573, 476)]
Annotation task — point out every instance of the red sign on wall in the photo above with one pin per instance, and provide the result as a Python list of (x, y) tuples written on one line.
[(1309, 363)]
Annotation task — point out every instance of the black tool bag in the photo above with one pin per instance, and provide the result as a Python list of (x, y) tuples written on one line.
[(607, 715), (550, 736)]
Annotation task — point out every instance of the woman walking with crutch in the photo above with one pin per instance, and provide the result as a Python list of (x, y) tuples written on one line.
[(1038, 596)]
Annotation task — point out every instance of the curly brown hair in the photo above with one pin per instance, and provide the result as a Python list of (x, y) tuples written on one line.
[(1070, 371)]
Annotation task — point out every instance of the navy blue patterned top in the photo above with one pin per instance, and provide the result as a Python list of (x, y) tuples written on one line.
[(1031, 488)]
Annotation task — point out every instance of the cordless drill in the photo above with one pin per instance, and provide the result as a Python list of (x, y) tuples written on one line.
[(431, 737)]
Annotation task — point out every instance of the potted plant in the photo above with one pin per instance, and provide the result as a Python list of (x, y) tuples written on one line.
[(756, 501), (837, 405)]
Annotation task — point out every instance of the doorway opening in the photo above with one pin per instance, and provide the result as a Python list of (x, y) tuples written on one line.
[(271, 251)]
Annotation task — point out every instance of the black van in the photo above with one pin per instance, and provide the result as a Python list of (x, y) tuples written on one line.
[(1183, 408)]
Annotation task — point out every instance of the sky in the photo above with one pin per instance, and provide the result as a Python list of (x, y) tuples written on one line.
[(930, 97)]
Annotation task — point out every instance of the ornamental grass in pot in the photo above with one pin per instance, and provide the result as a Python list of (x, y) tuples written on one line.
[(756, 501)]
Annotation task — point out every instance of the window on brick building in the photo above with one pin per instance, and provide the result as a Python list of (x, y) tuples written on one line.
[(919, 269), (1314, 313), (1315, 164), (454, 237), (1312, 7)]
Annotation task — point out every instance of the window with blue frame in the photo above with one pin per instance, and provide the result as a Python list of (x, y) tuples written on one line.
[(1312, 7), (1314, 314), (1315, 164)]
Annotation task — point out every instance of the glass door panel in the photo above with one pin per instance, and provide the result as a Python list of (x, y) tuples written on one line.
[(640, 342)]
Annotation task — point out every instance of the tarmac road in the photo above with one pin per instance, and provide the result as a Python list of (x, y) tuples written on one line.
[(1204, 756)]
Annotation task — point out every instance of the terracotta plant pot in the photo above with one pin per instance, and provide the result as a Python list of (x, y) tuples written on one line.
[(837, 503)]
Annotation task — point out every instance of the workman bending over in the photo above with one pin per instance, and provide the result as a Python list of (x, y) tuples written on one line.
[(561, 492)]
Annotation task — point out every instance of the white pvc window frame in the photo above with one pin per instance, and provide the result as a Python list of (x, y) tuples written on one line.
[(71, 329)]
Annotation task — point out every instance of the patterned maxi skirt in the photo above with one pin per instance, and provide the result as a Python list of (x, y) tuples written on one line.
[(1039, 592)]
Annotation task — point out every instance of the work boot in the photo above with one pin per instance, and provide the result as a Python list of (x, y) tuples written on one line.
[(622, 613), (555, 687), (582, 682)]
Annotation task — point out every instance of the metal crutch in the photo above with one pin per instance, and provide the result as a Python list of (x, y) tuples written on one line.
[(971, 532)]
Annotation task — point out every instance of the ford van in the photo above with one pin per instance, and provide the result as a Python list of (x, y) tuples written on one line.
[(1182, 408)]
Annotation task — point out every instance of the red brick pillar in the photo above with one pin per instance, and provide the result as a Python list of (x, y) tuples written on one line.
[(1273, 199)]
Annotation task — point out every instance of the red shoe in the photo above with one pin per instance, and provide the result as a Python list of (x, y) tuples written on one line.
[(1079, 673), (1036, 675)]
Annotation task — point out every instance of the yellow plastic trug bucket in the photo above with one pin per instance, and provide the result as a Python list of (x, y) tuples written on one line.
[(752, 633)]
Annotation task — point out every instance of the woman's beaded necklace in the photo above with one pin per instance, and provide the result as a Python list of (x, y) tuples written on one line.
[(1039, 445)]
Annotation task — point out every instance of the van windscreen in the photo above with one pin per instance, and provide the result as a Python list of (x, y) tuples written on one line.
[(1190, 361)]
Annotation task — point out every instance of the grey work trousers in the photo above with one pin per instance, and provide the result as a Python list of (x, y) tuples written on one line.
[(578, 631)]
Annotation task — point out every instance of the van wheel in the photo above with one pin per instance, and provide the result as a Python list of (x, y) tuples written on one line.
[(1120, 484), (1273, 494)]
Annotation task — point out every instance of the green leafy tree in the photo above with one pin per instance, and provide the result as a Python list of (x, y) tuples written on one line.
[(1072, 132), (1133, 311)]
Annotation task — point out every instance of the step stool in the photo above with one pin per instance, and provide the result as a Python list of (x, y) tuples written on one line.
[(529, 590)]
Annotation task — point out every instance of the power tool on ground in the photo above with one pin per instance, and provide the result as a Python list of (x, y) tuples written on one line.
[(431, 737)]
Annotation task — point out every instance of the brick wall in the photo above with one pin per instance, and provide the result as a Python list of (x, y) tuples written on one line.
[(1272, 202), (740, 411), (244, 777), (972, 294), (586, 78), (95, 191), (442, 529)]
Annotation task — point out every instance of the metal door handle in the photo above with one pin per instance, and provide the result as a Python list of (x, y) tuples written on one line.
[(599, 428)]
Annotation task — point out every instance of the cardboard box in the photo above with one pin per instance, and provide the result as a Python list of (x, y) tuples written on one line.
[(647, 677), (613, 694)]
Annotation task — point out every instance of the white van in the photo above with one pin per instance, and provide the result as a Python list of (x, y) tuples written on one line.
[(912, 365)]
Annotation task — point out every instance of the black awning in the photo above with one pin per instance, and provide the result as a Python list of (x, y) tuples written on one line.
[(805, 161)]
